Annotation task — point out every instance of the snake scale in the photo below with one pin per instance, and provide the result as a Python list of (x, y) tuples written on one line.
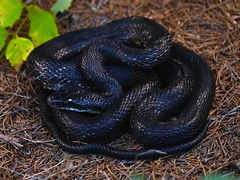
[(96, 84)]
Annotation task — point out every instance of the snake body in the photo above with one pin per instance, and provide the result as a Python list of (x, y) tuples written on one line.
[(97, 83)]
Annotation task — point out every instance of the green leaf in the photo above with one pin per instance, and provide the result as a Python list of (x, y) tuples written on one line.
[(137, 177), (42, 27), (220, 177), (10, 12), (18, 50), (60, 6), (3, 37)]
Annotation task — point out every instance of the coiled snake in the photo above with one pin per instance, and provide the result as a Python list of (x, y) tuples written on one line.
[(97, 83)]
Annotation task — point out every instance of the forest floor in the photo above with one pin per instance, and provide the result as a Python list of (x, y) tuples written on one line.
[(210, 28)]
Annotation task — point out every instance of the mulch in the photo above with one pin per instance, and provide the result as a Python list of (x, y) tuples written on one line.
[(211, 28)]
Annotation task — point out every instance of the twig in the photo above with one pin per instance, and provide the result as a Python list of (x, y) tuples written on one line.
[(11, 140)]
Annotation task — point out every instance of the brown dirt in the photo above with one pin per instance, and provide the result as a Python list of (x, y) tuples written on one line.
[(211, 28)]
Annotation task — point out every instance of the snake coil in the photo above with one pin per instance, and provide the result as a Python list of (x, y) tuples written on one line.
[(97, 83)]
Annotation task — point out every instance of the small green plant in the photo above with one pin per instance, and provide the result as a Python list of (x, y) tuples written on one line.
[(137, 176), (42, 28), (220, 176)]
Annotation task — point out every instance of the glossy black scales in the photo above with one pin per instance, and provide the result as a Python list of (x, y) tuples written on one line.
[(97, 83)]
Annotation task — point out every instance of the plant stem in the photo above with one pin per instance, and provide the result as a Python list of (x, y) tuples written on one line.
[(3, 52), (20, 27), (13, 35), (16, 32)]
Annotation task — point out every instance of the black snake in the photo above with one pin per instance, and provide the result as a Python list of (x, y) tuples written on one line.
[(97, 83)]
